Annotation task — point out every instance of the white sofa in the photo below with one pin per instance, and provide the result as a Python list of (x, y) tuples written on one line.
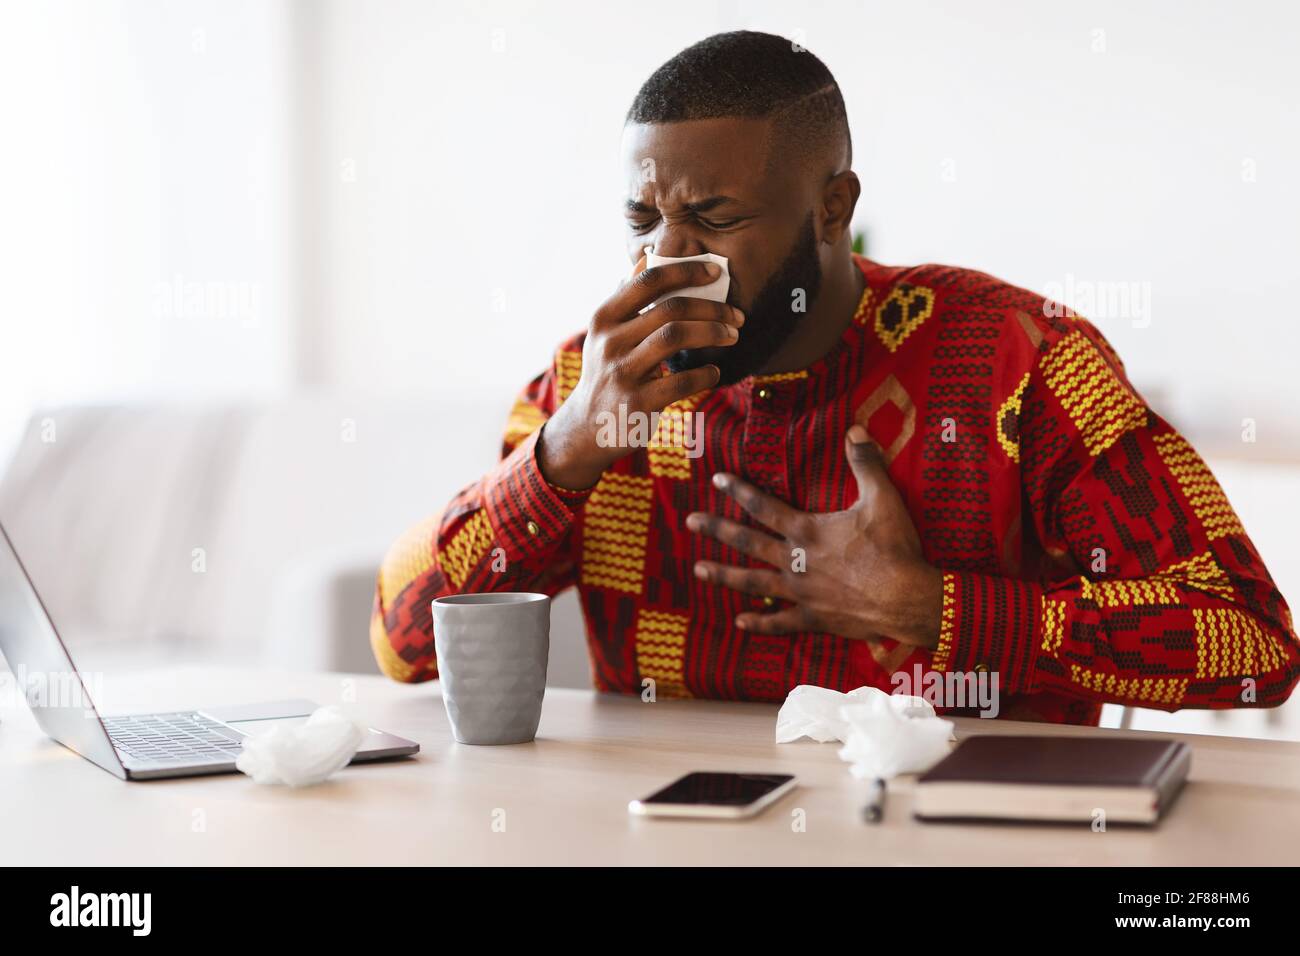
[(251, 533)]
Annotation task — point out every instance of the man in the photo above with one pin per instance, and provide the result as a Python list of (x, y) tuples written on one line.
[(896, 466)]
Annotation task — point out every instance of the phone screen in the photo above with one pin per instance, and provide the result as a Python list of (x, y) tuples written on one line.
[(719, 789)]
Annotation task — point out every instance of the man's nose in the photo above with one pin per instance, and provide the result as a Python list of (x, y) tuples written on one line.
[(675, 243)]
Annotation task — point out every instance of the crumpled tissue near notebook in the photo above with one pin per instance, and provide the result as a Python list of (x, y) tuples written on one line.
[(883, 734), (305, 754)]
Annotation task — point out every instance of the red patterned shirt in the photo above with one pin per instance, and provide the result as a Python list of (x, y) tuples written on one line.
[(1089, 555)]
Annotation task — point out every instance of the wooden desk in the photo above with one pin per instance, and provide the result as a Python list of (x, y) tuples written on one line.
[(565, 796)]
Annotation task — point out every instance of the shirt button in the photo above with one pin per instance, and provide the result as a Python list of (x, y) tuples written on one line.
[(533, 528), (768, 601), (764, 393)]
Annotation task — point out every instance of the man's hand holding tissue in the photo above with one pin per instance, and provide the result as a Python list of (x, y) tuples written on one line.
[(621, 365), (858, 573)]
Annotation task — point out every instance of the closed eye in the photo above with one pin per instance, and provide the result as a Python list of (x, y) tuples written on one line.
[(642, 226)]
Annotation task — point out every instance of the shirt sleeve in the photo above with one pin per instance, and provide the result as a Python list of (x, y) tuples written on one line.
[(1165, 603), (509, 531)]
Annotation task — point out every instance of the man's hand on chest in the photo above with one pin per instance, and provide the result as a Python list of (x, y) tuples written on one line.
[(858, 573)]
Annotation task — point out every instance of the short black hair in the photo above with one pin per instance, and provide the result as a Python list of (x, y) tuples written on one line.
[(749, 74)]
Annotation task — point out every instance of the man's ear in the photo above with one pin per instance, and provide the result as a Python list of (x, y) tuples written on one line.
[(839, 199)]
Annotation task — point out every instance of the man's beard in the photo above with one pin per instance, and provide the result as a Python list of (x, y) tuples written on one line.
[(769, 320)]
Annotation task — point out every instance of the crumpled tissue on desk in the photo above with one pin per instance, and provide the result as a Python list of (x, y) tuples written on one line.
[(883, 734), (303, 755)]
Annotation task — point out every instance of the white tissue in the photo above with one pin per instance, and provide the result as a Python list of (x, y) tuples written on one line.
[(715, 291), (814, 712), (885, 739), (305, 754), (883, 734)]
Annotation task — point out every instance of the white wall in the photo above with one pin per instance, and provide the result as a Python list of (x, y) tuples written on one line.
[(468, 150), (1166, 158), (145, 219), (468, 213)]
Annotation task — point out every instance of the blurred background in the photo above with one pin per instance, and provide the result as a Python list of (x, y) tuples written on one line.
[(274, 270)]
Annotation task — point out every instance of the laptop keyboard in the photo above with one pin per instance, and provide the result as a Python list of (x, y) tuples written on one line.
[(184, 737)]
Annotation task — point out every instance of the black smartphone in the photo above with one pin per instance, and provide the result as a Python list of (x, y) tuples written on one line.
[(729, 796)]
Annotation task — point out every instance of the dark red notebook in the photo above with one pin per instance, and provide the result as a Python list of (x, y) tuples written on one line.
[(1060, 779)]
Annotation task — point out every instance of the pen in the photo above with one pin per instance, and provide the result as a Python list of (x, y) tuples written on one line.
[(874, 809)]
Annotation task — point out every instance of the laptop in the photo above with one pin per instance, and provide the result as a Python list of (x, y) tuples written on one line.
[(184, 743)]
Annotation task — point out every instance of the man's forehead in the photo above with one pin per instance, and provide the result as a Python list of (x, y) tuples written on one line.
[(692, 159)]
